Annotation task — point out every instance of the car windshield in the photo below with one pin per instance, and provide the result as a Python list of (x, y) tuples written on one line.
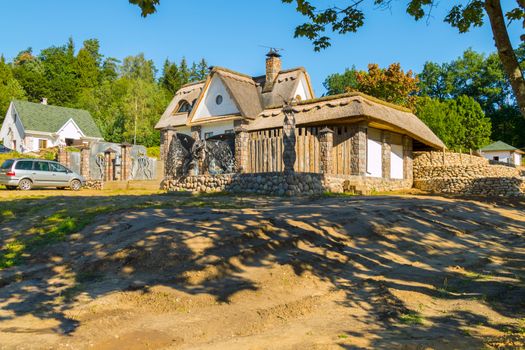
[(7, 164)]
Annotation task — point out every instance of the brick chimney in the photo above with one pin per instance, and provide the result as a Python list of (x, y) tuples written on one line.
[(273, 67)]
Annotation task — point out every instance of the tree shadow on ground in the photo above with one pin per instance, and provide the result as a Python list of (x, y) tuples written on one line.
[(371, 248)]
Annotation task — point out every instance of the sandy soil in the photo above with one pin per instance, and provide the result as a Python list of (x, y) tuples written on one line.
[(330, 273)]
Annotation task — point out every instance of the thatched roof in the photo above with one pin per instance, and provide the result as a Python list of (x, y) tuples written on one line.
[(283, 88), (348, 107), (189, 93), (243, 91)]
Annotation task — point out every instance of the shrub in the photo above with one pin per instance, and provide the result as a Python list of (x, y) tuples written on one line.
[(154, 152)]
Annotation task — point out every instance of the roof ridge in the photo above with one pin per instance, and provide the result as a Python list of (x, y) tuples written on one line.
[(52, 106), (193, 83)]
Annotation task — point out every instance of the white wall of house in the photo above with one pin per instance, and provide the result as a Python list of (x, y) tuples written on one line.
[(12, 131), (215, 128), (302, 89), (396, 161), (70, 130), (208, 105), (517, 158), (374, 159), (503, 156)]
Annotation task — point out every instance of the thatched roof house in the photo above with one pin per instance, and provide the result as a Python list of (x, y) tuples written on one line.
[(372, 138)]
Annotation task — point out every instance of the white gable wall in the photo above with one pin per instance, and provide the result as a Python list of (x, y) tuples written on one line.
[(302, 89), (517, 158), (208, 106), (12, 131), (70, 130)]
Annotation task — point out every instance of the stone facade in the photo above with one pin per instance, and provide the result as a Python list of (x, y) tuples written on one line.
[(457, 173), (284, 184)]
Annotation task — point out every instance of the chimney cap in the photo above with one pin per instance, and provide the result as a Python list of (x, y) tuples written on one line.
[(273, 53)]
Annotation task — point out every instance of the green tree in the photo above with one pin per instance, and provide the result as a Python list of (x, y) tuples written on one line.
[(339, 83), (138, 67), (10, 88), (460, 123), (390, 84), (348, 16), (29, 72)]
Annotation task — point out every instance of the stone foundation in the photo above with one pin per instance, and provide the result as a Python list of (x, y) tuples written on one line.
[(282, 184), (94, 185), (457, 173)]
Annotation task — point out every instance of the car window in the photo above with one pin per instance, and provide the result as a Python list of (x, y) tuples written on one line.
[(7, 164), (57, 167), (42, 166), (24, 165)]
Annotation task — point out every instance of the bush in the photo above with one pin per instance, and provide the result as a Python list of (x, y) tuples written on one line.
[(154, 152)]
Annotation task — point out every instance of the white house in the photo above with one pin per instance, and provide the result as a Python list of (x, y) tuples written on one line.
[(500, 151), (29, 127)]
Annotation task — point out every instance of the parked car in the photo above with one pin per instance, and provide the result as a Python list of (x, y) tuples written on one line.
[(29, 173)]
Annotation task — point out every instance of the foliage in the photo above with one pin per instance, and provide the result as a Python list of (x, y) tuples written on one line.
[(339, 83), (390, 84), (10, 88), (482, 78), (460, 123), (121, 96), (154, 152)]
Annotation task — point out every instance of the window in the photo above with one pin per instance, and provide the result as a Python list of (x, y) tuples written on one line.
[(7, 164), (207, 135), (24, 165), (184, 107), (496, 159), (69, 142), (229, 131), (218, 99), (41, 166), (42, 143), (57, 168)]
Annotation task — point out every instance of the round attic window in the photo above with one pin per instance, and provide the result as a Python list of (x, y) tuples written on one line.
[(218, 99)]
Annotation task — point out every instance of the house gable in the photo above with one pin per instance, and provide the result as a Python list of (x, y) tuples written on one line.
[(215, 101), (303, 90), (70, 130)]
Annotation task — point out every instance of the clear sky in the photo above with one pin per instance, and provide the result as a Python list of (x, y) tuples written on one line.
[(229, 34)]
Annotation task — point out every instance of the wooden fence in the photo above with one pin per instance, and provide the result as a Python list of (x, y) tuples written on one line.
[(265, 150), (341, 151)]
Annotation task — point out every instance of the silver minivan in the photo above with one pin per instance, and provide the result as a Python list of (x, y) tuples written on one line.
[(28, 173)]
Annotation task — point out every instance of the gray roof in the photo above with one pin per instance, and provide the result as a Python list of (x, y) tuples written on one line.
[(46, 118)]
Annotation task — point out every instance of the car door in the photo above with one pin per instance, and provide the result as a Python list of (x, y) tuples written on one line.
[(41, 174), (60, 174)]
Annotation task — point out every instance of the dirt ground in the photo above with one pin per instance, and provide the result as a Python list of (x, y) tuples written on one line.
[(158, 271)]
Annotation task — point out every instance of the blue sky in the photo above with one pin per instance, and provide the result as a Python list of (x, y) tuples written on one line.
[(228, 33)]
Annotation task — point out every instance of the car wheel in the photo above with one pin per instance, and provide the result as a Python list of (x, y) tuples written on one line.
[(25, 184), (75, 185), (10, 188)]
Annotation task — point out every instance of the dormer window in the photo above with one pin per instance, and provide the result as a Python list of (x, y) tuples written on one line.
[(184, 107), (218, 99)]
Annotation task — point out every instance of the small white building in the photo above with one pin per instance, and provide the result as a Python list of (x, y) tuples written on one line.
[(29, 127), (500, 151)]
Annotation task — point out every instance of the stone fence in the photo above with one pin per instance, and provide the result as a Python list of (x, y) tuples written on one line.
[(442, 172), (284, 184)]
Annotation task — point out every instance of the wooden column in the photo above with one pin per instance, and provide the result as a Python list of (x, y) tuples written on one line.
[(326, 144)]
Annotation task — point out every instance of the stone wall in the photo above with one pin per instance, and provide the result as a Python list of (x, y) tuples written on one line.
[(284, 184), (457, 173)]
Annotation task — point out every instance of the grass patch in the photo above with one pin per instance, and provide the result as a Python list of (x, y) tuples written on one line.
[(411, 318), (38, 228)]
